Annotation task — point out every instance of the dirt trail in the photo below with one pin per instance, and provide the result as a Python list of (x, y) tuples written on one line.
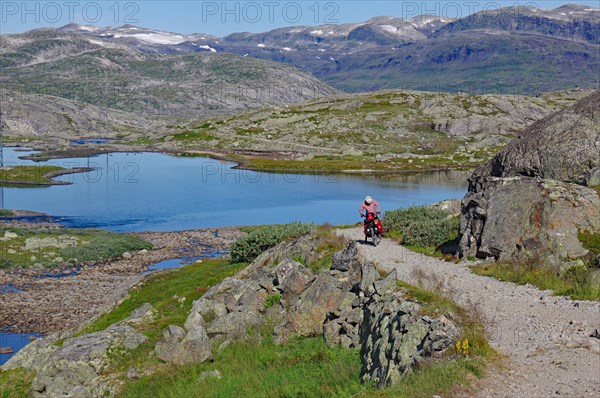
[(546, 339)]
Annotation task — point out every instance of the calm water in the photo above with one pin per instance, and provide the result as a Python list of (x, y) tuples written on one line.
[(14, 341), (157, 192)]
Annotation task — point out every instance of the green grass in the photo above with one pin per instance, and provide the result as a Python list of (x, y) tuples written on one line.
[(15, 383), (590, 241), (574, 283), (6, 213), (433, 304), (301, 368), (27, 175), (171, 293), (272, 300), (64, 244)]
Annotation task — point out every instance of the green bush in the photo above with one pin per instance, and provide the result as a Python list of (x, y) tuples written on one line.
[(105, 245), (421, 226), (250, 246)]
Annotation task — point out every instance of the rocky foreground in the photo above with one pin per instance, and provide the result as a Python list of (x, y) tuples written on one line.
[(349, 304), (551, 344), (60, 298)]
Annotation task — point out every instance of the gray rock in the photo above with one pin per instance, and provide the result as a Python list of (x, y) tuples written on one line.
[(208, 309), (388, 284), (183, 348), (283, 270), (347, 261), (253, 299), (234, 325), (211, 374), (296, 283), (528, 201), (369, 276), (77, 368), (395, 341), (522, 218), (133, 374), (194, 320), (306, 318)]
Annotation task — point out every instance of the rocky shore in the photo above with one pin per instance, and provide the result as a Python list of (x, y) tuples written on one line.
[(47, 300)]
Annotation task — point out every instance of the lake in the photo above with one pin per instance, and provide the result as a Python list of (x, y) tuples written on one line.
[(157, 192)]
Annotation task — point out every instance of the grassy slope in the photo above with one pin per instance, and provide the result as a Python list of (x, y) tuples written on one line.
[(304, 367)]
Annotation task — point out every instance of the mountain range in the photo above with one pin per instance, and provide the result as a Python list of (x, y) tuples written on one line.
[(150, 79), (522, 49)]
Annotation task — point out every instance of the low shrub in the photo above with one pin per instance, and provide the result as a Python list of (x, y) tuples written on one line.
[(421, 226), (251, 245), (104, 244)]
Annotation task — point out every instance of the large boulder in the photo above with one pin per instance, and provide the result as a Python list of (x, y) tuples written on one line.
[(564, 146), (77, 368), (531, 199), (521, 217)]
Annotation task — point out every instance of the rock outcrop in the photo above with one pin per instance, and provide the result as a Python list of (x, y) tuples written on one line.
[(532, 198), (350, 305), (78, 367)]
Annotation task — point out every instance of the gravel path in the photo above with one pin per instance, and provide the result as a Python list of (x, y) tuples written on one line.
[(546, 339)]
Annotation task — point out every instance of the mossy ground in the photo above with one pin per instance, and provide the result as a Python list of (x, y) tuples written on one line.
[(51, 246)]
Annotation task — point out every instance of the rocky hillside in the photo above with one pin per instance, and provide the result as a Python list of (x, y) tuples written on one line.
[(114, 75), (388, 129), (533, 198), (517, 49), (57, 120)]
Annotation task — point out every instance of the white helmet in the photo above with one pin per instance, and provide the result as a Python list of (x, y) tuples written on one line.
[(368, 200)]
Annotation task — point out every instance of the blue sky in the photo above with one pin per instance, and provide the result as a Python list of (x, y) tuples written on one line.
[(221, 17)]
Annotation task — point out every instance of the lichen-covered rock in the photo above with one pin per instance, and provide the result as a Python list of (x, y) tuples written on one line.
[(530, 200), (307, 317), (234, 325), (522, 217), (564, 146), (395, 339), (76, 368), (184, 348)]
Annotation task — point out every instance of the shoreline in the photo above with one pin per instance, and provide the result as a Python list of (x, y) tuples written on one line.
[(50, 176), (49, 300), (224, 156)]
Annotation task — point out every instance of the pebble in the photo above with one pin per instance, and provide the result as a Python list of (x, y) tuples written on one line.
[(126, 255), (133, 374), (210, 374)]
